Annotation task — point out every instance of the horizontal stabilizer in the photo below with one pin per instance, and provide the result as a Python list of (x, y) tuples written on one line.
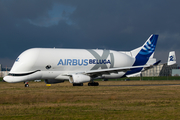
[(151, 66), (157, 62)]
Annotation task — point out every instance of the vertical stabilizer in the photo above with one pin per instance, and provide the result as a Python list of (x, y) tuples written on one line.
[(146, 51), (144, 54), (171, 58)]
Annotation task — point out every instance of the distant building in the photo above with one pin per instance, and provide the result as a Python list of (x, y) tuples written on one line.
[(160, 70), (175, 72), (4, 71)]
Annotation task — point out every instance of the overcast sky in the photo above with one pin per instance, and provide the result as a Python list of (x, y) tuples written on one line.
[(120, 25)]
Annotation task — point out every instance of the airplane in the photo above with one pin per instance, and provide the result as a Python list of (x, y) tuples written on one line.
[(171, 58), (79, 66)]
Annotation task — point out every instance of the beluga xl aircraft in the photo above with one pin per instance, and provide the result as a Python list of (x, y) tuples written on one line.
[(81, 65)]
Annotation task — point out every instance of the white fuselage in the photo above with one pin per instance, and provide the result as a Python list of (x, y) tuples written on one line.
[(47, 63)]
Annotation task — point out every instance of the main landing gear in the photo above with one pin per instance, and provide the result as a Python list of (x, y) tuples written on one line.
[(93, 84), (77, 84), (89, 84), (26, 84)]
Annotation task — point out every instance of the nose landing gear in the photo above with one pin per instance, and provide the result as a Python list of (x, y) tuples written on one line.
[(26, 84)]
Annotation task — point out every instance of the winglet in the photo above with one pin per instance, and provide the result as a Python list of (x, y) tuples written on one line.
[(171, 58)]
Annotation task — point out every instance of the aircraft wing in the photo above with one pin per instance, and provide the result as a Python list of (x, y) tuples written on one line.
[(107, 71), (112, 70)]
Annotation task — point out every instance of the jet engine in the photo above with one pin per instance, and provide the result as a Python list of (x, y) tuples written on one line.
[(79, 78), (52, 81)]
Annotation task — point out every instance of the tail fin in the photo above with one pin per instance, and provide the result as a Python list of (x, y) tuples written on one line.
[(143, 53), (171, 58)]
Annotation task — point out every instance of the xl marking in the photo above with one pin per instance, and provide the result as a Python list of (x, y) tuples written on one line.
[(105, 55)]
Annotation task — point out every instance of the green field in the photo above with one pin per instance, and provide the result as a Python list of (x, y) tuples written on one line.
[(63, 101)]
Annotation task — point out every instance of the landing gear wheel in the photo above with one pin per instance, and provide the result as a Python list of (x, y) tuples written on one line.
[(93, 84), (77, 84), (89, 84), (26, 85)]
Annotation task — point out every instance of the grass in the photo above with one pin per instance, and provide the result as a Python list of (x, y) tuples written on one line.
[(64, 101)]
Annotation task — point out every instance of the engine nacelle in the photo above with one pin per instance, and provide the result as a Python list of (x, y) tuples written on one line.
[(79, 78), (52, 81), (113, 75)]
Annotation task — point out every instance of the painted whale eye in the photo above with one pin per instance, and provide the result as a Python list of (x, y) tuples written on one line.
[(48, 66)]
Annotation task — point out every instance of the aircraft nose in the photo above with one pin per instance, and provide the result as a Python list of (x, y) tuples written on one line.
[(12, 79), (7, 79)]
